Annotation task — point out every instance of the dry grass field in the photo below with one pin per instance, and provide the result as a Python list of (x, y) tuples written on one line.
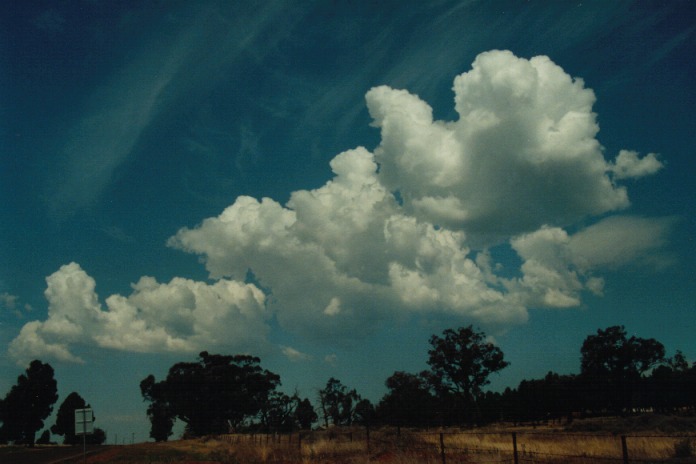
[(543, 445)]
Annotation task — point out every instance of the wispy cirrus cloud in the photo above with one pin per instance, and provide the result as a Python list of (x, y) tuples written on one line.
[(160, 77)]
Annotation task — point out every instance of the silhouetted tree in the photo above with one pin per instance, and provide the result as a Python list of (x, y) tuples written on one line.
[(97, 437), (337, 403), (65, 419), (28, 404), (161, 421), (614, 364), (668, 387), (45, 438), (408, 403), (213, 393), (364, 413), (305, 415), (678, 362), (278, 412), (461, 362), (491, 407)]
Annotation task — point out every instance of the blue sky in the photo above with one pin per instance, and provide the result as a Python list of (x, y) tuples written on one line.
[(327, 184)]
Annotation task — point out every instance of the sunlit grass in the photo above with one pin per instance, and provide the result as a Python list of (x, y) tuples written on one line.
[(539, 445)]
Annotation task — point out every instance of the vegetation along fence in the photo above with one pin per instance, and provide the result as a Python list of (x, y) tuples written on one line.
[(408, 446)]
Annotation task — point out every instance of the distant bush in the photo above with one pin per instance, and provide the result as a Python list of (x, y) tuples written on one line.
[(668, 424), (683, 448)]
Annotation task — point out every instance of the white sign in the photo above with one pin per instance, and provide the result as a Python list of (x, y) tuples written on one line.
[(84, 421)]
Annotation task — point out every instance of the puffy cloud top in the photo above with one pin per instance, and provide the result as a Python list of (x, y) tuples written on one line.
[(405, 229), (182, 315), (522, 154)]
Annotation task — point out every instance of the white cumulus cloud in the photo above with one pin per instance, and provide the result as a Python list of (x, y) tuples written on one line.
[(179, 316), (403, 230), (294, 355), (522, 154), (629, 165)]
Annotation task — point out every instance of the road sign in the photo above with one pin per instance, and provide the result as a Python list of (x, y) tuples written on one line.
[(84, 421)]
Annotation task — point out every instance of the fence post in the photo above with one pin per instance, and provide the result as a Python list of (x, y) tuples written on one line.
[(515, 457), (299, 441), (624, 449), (442, 448), (367, 438)]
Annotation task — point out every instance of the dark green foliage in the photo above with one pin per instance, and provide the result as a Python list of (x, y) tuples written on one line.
[(618, 373), (305, 415), (45, 438), (337, 403), (408, 403), (671, 385), (28, 404), (161, 420), (65, 419), (278, 412), (552, 398), (683, 448), (212, 394), (668, 424), (98, 437), (364, 413), (460, 363), (614, 364)]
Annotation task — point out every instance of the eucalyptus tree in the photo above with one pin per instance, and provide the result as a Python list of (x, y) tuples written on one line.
[(461, 362), (28, 404), (209, 395)]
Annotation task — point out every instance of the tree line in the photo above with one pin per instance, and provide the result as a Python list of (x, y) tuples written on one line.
[(618, 375), (28, 403), (223, 393)]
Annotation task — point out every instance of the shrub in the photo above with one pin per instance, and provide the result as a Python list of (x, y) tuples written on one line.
[(683, 448)]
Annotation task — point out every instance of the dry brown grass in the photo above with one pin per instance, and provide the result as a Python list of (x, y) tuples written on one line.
[(561, 447), (543, 446)]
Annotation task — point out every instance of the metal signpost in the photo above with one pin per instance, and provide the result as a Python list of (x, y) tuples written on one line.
[(84, 424)]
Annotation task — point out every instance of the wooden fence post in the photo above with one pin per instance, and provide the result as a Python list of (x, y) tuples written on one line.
[(442, 448), (515, 458), (367, 438), (624, 449)]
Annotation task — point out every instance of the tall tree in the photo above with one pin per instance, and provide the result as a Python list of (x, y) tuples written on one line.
[(614, 364), (45, 438), (213, 393), (278, 412), (408, 402), (461, 361), (161, 421), (337, 403), (364, 413), (28, 404), (305, 415), (65, 419)]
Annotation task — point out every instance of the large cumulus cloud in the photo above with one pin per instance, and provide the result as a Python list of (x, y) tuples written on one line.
[(405, 229), (179, 316), (522, 154)]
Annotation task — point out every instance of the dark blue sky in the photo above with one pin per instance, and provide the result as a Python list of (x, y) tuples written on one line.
[(555, 198)]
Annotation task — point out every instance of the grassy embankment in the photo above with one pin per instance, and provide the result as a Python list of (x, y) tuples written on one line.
[(651, 439)]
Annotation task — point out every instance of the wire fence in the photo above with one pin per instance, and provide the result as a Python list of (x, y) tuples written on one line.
[(445, 447)]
